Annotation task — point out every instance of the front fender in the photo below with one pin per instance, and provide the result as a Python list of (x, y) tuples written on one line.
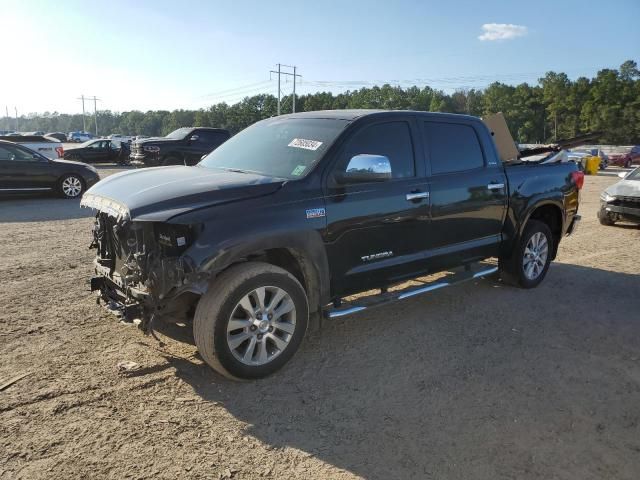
[(246, 229)]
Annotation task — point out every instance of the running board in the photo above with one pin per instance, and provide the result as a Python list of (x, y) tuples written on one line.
[(348, 308)]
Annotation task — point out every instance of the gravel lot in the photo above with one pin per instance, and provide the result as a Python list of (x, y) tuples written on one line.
[(473, 382)]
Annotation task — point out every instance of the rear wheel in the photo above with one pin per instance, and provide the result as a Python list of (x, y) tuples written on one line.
[(530, 260), (71, 186), (251, 321)]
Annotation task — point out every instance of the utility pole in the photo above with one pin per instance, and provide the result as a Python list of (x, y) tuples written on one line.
[(6, 110), (17, 122), (95, 113), (84, 126), (294, 75), (294, 89)]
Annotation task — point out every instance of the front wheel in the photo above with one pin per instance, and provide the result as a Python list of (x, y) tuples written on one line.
[(71, 186), (251, 321), (530, 260), (605, 218)]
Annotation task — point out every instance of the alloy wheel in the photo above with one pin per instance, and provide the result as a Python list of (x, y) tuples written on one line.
[(261, 325), (535, 255), (71, 186)]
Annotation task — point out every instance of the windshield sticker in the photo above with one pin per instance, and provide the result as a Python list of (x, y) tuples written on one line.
[(306, 144), (298, 170)]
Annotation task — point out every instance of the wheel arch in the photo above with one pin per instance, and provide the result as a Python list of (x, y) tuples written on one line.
[(303, 255), (550, 213)]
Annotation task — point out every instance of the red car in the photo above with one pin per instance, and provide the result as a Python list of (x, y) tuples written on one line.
[(627, 159)]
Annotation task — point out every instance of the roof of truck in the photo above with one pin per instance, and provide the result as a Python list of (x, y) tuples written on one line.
[(353, 114)]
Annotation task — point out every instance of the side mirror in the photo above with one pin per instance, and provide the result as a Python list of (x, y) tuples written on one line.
[(365, 168), (622, 174), (194, 138)]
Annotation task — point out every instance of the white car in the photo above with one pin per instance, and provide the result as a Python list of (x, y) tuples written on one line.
[(47, 146), (116, 137)]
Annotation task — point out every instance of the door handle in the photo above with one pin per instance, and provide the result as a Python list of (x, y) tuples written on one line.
[(495, 186), (416, 196)]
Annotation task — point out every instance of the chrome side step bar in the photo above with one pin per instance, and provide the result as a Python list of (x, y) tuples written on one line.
[(349, 308)]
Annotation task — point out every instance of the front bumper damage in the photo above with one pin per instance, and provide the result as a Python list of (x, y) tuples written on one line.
[(141, 267), (628, 211)]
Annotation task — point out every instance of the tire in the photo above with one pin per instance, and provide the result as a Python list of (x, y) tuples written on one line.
[(605, 219), (513, 270), (71, 186), (243, 353)]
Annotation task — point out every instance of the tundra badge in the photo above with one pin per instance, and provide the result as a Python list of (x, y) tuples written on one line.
[(315, 212)]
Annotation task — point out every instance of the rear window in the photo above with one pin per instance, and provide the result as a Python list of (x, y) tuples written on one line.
[(452, 147)]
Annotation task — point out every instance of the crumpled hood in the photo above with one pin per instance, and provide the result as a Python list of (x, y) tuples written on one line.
[(157, 194), (625, 188)]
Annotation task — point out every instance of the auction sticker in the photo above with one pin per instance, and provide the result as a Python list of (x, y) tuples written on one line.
[(306, 144)]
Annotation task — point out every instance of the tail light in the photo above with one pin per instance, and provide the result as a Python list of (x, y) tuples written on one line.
[(578, 179), (60, 151)]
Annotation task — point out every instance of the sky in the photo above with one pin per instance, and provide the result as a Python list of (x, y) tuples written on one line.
[(191, 54)]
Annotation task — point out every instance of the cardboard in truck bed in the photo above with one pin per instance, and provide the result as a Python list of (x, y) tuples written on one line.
[(501, 136)]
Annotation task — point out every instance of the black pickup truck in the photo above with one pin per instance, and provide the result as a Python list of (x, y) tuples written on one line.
[(184, 146), (297, 212)]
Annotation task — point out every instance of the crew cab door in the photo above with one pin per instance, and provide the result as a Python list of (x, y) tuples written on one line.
[(22, 170), (468, 193), (375, 230), (98, 151), (202, 142)]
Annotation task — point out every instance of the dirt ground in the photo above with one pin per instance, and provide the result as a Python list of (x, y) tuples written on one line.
[(480, 381)]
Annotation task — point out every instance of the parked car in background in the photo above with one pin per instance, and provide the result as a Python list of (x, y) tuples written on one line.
[(61, 137), (627, 157), (184, 146), (79, 137), (49, 147), (34, 134), (120, 138), (299, 211), (621, 201), (101, 150), (23, 170)]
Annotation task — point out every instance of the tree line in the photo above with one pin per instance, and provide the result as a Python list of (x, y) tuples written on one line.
[(554, 108)]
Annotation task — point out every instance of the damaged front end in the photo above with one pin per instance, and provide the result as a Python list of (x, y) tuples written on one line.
[(141, 267)]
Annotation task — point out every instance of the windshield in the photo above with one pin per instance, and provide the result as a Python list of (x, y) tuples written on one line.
[(634, 175), (279, 147), (179, 134)]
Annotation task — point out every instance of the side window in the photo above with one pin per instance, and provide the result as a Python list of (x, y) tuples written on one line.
[(392, 139), (17, 154), (452, 147), (5, 154), (210, 138)]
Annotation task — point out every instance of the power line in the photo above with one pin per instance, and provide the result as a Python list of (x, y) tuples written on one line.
[(233, 90)]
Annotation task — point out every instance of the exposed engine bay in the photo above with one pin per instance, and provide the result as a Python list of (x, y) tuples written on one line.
[(140, 265)]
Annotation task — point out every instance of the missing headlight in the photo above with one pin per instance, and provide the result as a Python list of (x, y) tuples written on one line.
[(174, 238)]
